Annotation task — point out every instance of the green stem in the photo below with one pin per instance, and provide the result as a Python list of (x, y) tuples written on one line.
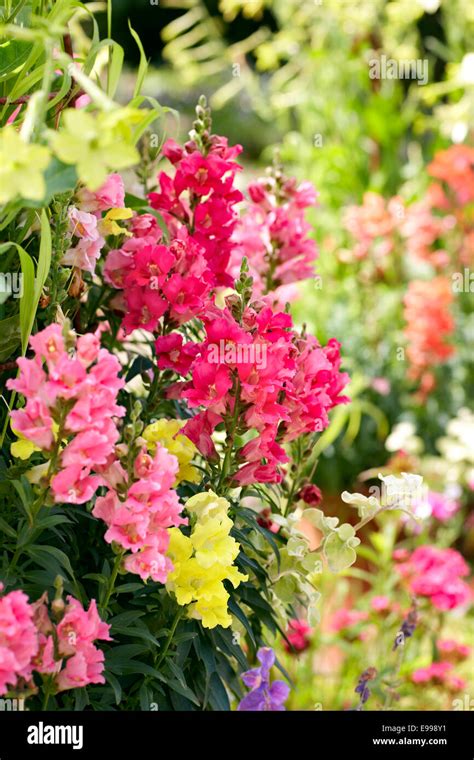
[(230, 440), (176, 620), (112, 579)]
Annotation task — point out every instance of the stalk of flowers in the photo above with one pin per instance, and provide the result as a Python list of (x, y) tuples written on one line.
[(71, 386), (88, 228), (253, 371), (374, 225), (165, 286), (362, 688), (272, 234), (139, 507), (264, 695), (200, 198), (429, 324), (427, 233), (439, 674), (455, 168), (297, 636), (58, 643), (203, 560), (437, 575)]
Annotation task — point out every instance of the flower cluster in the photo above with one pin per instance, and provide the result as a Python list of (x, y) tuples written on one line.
[(18, 639), (204, 560), (263, 375), (297, 636), (87, 228), (71, 388), (66, 648), (455, 167), (437, 574), (439, 674), (373, 225), (437, 229), (63, 649), (173, 282), (453, 650), (201, 196), (168, 434), (272, 235), (139, 509), (264, 695), (429, 324)]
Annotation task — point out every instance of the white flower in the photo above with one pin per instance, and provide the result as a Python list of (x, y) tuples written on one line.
[(402, 491), (403, 438)]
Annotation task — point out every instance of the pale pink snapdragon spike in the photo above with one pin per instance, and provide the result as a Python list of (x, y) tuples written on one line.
[(84, 254), (139, 520), (86, 378), (18, 639), (273, 235)]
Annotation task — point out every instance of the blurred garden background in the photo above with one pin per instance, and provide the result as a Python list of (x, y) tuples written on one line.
[(391, 157)]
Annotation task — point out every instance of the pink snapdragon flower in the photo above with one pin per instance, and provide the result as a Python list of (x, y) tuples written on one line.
[(434, 673), (89, 242), (83, 380), (18, 639), (437, 574), (345, 618), (110, 195), (139, 521), (287, 385), (298, 635), (453, 650), (273, 235), (201, 198)]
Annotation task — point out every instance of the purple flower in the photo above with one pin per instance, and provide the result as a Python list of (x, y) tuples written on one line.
[(408, 627), (362, 688), (263, 695)]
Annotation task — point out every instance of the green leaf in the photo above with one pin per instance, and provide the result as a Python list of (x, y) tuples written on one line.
[(44, 257), (59, 178), (27, 300), (142, 66), (185, 691), (41, 554), (340, 553), (13, 55), (10, 336), (218, 698)]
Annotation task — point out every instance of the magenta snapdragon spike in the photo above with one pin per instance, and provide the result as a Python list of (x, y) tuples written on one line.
[(264, 695), (287, 383)]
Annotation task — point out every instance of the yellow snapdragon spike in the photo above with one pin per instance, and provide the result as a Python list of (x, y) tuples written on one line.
[(203, 561)]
